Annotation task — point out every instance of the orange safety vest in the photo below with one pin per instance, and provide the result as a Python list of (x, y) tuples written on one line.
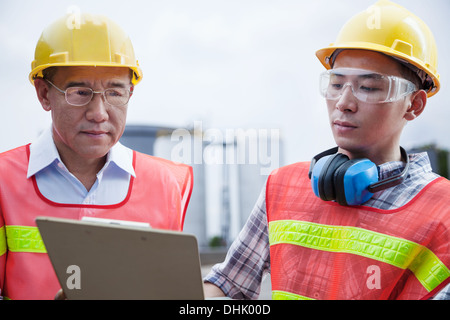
[(159, 195), (321, 250)]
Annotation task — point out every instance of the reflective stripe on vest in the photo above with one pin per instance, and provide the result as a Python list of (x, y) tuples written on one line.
[(2, 241), (283, 295), (24, 239), (404, 254)]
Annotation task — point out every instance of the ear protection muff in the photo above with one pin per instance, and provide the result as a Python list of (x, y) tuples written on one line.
[(349, 182), (326, 183)]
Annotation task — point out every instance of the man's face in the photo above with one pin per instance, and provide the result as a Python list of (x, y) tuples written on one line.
[(366, 128), (87, 131)]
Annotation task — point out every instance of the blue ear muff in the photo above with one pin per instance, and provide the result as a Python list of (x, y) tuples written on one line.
[(326, 185), (348, 182), (353, 179)]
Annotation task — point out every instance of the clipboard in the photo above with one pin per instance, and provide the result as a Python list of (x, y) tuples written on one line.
[(104, 261)]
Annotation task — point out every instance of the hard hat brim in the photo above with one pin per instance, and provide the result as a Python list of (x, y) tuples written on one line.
[(37, 72)]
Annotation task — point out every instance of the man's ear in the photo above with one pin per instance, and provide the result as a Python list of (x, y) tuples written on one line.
[(418, 103), (42, 89)]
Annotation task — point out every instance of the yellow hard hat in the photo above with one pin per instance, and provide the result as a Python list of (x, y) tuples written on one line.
[(84, 40), (390, 29)]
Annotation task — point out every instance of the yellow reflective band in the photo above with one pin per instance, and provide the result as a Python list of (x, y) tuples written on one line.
[(428, 269), (283, 295), (24, 239), (2, 241)]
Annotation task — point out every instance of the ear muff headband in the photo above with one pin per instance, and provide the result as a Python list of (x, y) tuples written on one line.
[(394, 180), (319, 156)]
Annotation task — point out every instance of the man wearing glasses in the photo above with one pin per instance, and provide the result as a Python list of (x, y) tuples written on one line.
[(84, 76), (364, 220)]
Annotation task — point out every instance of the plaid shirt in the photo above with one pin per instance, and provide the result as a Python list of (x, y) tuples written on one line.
[(248, 260)]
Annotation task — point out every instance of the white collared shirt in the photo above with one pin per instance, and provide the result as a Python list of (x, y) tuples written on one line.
[(57, 184)]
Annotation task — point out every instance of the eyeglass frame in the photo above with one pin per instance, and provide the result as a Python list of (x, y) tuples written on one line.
[(411, 87), (130, 92)]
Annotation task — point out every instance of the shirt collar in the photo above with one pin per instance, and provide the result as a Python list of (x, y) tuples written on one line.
[(419, 163), (122, 157), (43, 153)]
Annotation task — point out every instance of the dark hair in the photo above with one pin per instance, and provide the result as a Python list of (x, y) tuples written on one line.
[(49, 73), (411, 75)]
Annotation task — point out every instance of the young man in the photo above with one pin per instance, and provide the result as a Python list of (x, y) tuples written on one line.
[(374, 222), (84, 76)]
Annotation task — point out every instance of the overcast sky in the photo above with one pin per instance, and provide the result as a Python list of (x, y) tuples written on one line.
[(230, 64)]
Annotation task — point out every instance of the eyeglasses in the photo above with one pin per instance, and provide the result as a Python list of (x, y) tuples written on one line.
[(81, 96), (367, 86)]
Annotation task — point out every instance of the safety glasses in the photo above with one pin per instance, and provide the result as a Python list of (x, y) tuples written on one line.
[(367, 86)]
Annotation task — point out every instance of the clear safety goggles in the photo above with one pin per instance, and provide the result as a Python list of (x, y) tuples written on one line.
[(367, 86)]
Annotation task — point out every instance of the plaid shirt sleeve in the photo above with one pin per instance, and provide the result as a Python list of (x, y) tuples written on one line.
[(247, 260), (444, 294)]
